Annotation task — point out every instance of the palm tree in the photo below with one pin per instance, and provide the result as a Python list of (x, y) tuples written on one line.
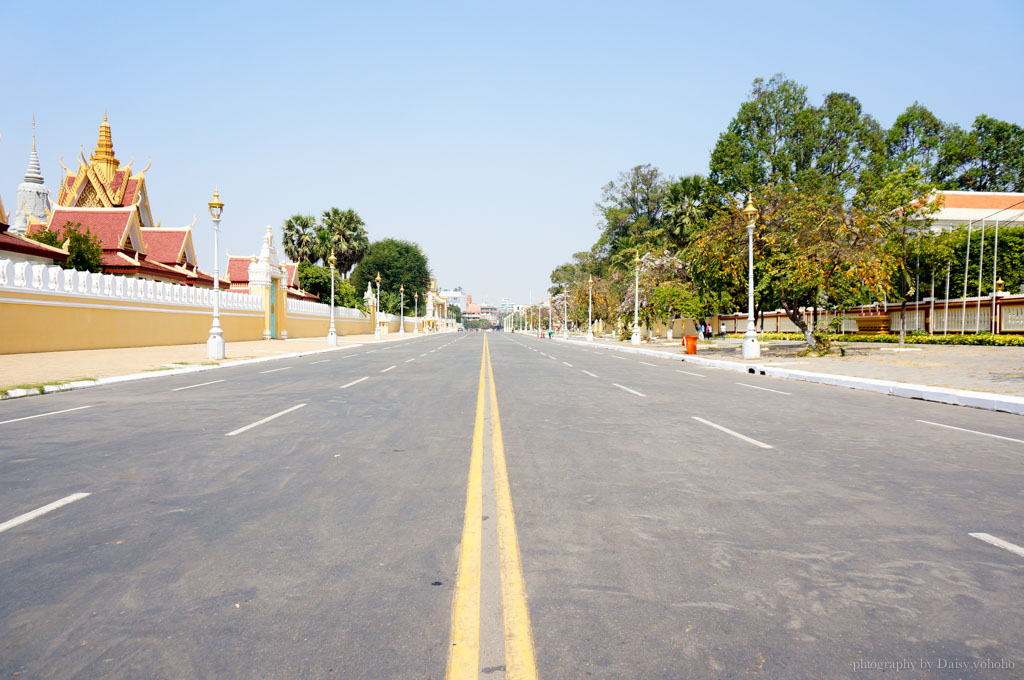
[(348, 237), (299, 238), (688, 204)]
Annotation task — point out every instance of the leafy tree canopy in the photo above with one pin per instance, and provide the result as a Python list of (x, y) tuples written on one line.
[(400, 263)]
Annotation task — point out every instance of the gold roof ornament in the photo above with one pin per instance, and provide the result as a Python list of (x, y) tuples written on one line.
[(103, 158)]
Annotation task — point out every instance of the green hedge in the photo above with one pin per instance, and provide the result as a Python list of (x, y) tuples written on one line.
[(912, 338)]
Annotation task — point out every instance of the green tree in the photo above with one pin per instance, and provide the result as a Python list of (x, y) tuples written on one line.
[(317, 280), (85, 251), (631, 207), (453, 313), (989, 157), (299, 238), (347, 237), (400, 263)]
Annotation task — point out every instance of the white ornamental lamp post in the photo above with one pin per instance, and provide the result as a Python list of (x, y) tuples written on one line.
[(376, 315), (751, 348), (590, 308), (565, 314), (215, 343), (635, 340), (401, 311), (332, 335), (416, 312)]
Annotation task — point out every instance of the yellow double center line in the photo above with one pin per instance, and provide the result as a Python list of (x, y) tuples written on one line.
[(464, 657)]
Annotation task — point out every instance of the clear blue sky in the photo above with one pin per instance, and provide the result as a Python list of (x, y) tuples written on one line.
[(483, 131)]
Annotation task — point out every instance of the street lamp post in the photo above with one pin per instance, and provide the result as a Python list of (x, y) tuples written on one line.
[(416, 323), (215, 343), (332, 335), (590, 308), (376, 313), (565, 314), (635, 340), (401, 312), (751, 348)]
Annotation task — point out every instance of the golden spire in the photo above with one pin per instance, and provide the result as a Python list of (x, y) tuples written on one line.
[(102, 158)]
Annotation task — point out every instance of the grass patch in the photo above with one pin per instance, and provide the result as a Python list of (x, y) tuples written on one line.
[(38, 386)]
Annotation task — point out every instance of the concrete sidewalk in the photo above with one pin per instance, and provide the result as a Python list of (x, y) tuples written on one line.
[(39, 368), (998, 370)]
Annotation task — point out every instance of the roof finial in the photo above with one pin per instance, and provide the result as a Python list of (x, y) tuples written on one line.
[(103, 156), (33, 175)]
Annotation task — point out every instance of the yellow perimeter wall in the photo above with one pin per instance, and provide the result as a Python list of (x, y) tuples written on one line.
[(34, 322)]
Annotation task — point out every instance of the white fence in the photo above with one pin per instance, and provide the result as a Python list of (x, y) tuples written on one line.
[(310, 308), (54, 279)]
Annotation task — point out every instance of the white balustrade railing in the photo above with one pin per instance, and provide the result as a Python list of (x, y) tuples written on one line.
[(54, 279), (320, 309)]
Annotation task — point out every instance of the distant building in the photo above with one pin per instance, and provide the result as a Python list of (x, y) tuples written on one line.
[(966, 207), (454, 296)]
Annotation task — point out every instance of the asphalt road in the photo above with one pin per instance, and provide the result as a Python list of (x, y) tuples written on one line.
[(305, 517)]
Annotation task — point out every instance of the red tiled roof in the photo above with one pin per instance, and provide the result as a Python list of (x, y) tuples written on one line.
[(238, 269), (107, 224), (129, 192), (117, 180), (164, 245), (13, 243), (119, 262), (291, 278)]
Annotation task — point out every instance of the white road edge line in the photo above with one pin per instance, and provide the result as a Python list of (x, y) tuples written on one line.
[(698, 375), (766, 389), (40, 415), (21, 519), (734, 434), (589, 373), (623, 387), (989, 538), (387, 369), (354, 382), (274, 370), (567, 364), (962, 429), (212, 382), (265, 420)]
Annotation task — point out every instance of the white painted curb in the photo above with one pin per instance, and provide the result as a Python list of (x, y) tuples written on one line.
[(83, 384), (944, 395)]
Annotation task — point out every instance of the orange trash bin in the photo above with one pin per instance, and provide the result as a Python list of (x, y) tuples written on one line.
[(690, 341)]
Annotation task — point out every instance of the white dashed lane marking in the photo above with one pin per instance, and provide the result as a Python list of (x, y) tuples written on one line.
[(1005, 545), (962, 429), (21, 519), (733, 433), (766, 389), (623, 387), (188, 387), (40, 415), (265, 420)]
